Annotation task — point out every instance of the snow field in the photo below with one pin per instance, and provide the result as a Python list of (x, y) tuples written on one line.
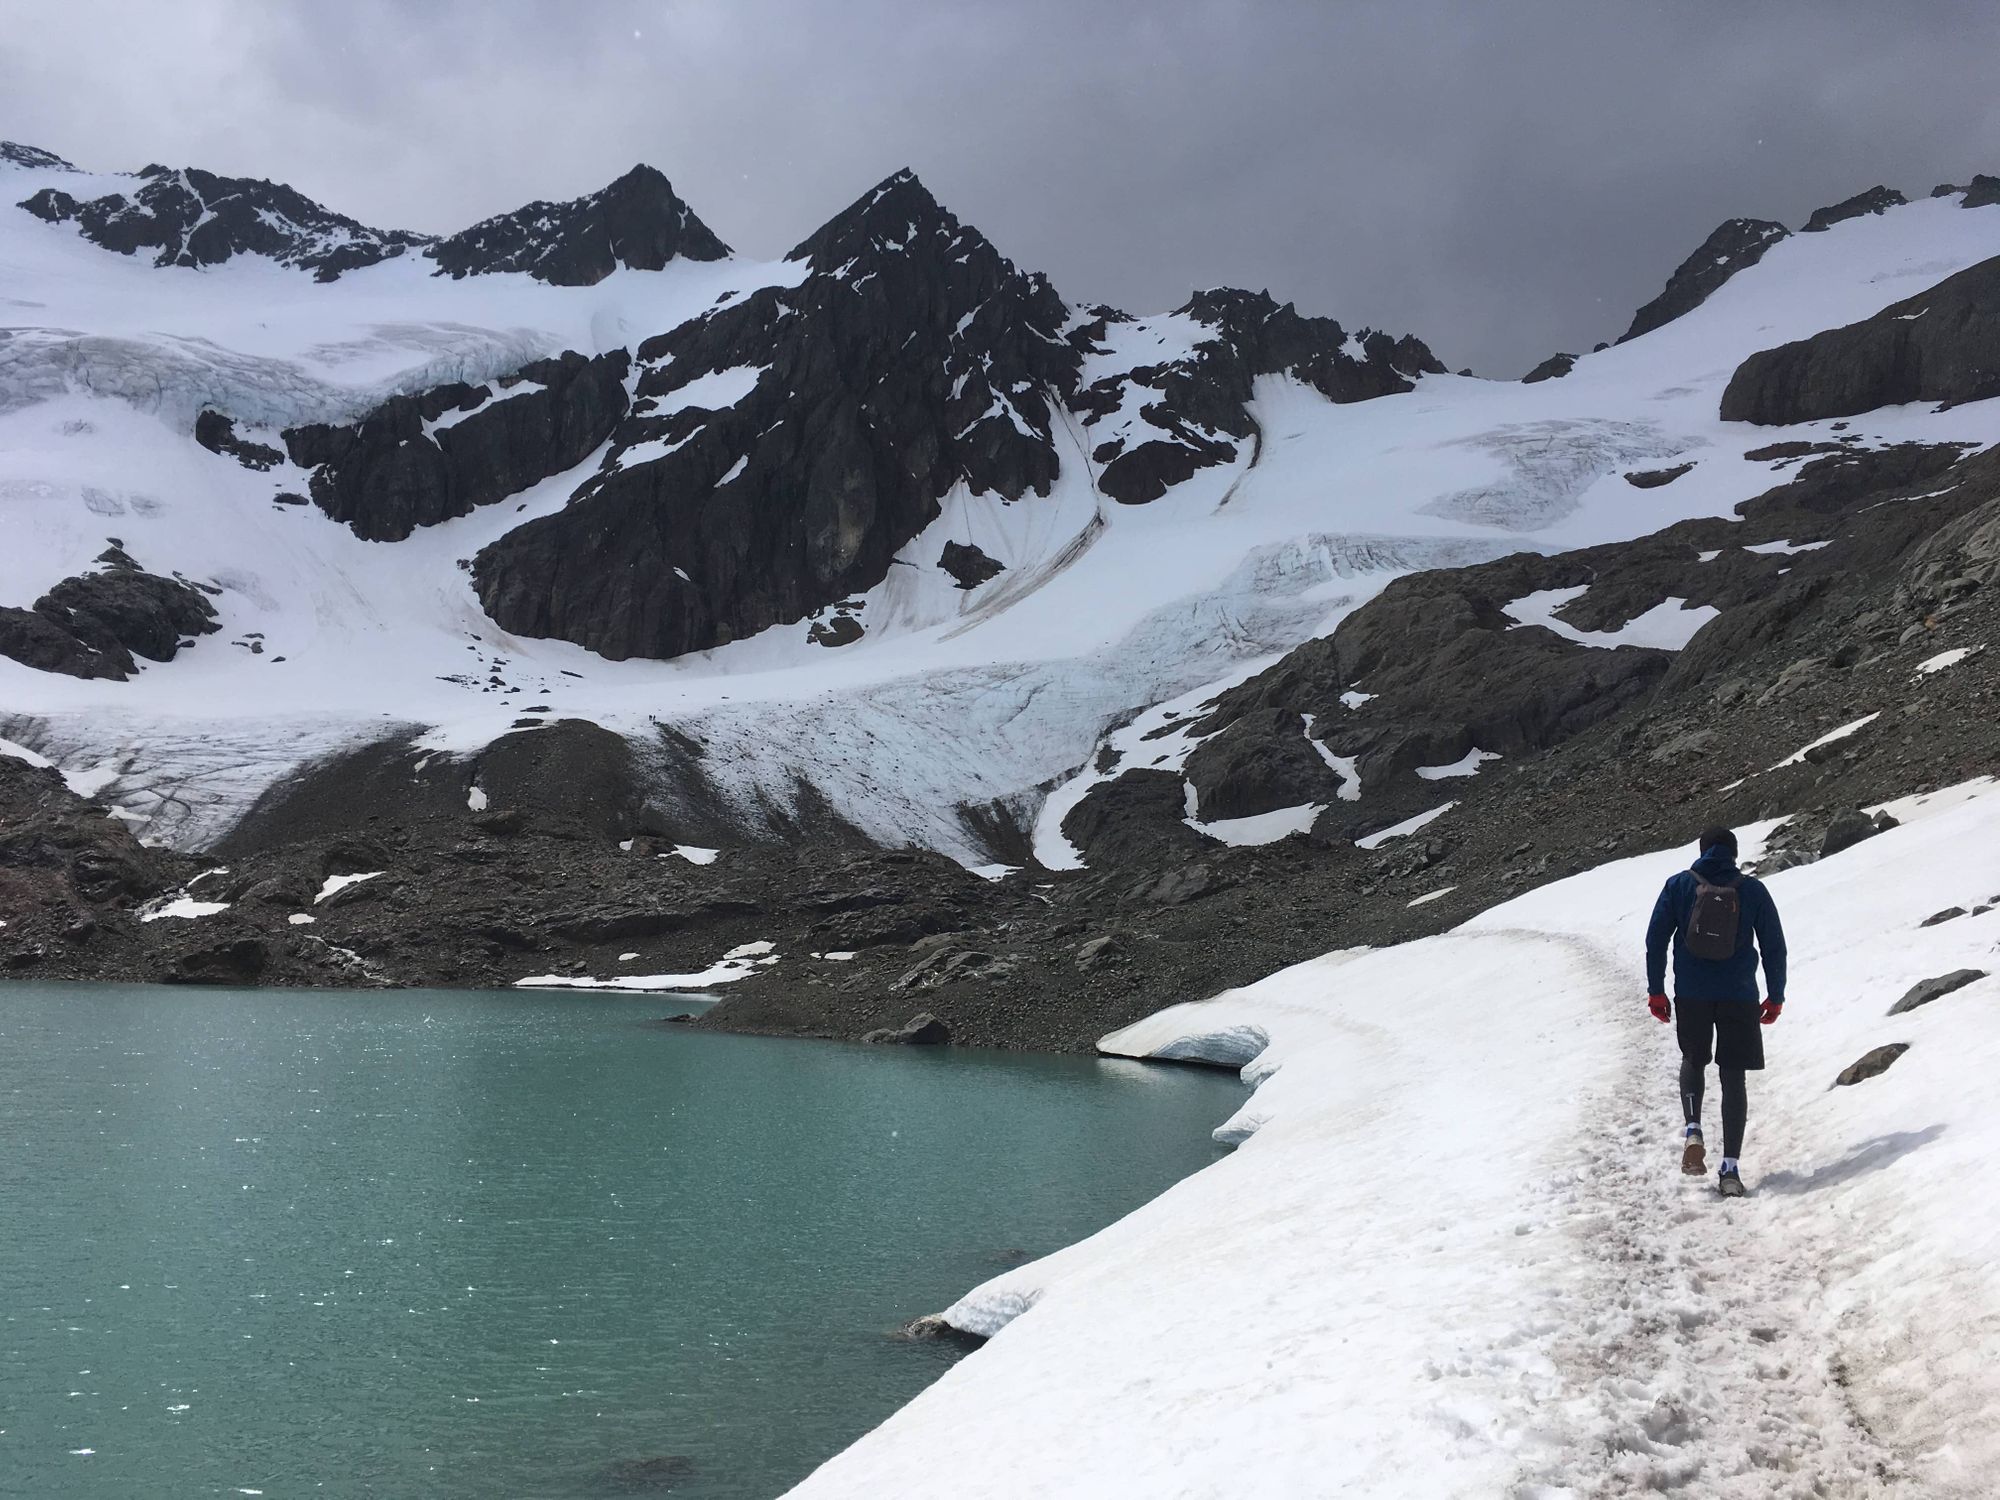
[(1453, 1254)]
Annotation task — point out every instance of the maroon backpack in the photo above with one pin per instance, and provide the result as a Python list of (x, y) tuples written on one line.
[(1712, 925)]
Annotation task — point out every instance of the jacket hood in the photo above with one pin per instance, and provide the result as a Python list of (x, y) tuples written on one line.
[(1716, 867)]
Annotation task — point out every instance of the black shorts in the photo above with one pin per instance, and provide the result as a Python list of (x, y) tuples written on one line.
[(1733, 1027)]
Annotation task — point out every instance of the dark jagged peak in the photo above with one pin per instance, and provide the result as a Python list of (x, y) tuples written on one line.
[(1198, 367), (897, 215), (1553, 368), (784, 446), (637, 222), (195, 218), (1982, 192), (1877, 200), (1735, 244), (15, 154)]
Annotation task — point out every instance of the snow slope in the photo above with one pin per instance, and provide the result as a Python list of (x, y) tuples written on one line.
[(1453, 1255), (1103, 610)]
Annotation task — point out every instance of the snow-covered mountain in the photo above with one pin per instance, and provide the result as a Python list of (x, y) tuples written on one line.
[(884, 543), (754, 472)]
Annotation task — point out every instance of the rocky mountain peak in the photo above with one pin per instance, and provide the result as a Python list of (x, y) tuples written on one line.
[(16, 154), (1876, 200), (188, 217), (638, 222), (1735, 244), (898, 215)]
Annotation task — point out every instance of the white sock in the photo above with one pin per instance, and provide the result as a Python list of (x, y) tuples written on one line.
[(1729, 1164), (1693, 1131)]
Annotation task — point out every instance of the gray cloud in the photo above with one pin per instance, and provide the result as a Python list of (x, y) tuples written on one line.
[(1502, 179)]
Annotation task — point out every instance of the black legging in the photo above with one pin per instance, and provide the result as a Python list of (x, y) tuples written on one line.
[(1735, 1102)]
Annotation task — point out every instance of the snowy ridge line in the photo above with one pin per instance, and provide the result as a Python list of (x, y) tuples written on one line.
[(1453, 1256)]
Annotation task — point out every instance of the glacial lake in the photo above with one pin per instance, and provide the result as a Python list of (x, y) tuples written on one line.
[(464, 1244)]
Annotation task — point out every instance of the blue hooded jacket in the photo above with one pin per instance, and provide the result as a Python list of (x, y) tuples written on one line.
[(1732, 978)]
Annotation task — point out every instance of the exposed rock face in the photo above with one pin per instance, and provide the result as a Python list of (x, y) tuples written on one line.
[(921, 1030), (1875, 201), (1652, 479), (93, 624), (1199, 406), (217, 434), (1983, 192), (1735, 244), (638, 222), (14, 153), (1553, 368), (968, 566), (195, 218), (1936, 346), (784, 447), (419, 460)]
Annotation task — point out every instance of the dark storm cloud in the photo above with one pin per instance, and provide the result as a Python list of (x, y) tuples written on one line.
[(1503, 177)]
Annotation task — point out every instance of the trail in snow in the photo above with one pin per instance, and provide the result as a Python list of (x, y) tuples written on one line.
[(1692, 1353), (1454, 1258)]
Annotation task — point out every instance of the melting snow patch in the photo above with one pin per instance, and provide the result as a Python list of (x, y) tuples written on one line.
[(696, 855), (1466, 765), (1403, 829), (1354, 699), (184, 906), (341, 882), (1430, 896), (1260, 828), (476, 798), (1831, 737), (993, 872), (1708, 556), (1945, 659), (301, 919), (1343, 766), (1786, 549), (1667, 626), (737, 963)]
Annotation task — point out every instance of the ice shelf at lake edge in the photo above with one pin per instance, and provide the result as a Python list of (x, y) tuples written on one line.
[(1457, 1189)]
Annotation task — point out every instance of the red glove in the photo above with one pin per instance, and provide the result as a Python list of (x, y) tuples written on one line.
[(1661, 1008), (1770, 1011)]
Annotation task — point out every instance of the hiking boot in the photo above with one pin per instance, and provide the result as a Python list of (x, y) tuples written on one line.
[(1694, 1157), (1729, 1182)]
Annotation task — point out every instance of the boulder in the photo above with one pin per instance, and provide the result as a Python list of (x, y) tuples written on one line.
[(1850, 826), (968, 565), (921, 1030), (1652, 479), (1870, 1064), (1102, 952), (1927, 990), (1950, 913)]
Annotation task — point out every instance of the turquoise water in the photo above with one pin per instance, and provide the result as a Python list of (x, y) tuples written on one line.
[(427, 1243)]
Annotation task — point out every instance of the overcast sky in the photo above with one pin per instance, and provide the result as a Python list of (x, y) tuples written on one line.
[(1502, 177)]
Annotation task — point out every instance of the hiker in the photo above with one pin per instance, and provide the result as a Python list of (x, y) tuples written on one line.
[(1718, 919)]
